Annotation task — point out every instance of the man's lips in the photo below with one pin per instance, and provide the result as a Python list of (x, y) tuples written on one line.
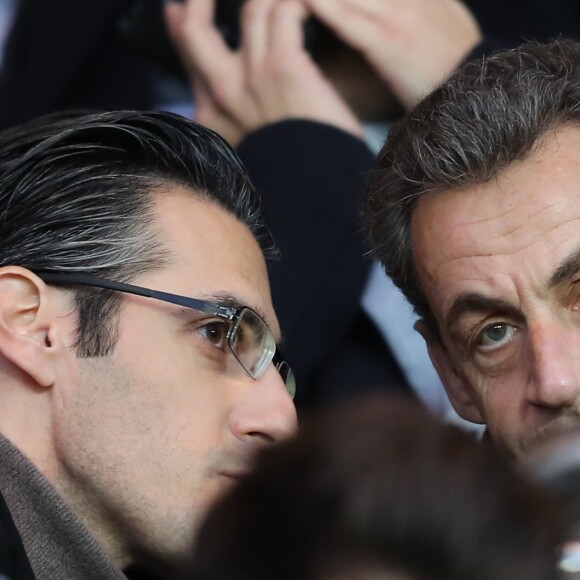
[(236, 470), (236, 464), (233, 475)]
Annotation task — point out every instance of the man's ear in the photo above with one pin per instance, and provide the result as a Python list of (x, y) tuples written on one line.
[(28, 324), (458, 394)]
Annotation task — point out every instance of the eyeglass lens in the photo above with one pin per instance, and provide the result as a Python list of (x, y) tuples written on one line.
[(288, 377), (254, 346)]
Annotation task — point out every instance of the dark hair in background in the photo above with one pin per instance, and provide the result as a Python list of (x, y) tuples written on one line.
[(76, 195), (486, 116), (380, 486)]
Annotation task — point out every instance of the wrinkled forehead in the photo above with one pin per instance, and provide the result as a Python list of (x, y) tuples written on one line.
[(518, 226), (524, 188)]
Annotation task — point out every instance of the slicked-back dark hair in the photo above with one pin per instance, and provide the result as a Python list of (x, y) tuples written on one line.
[(77, 194), (486, 116)]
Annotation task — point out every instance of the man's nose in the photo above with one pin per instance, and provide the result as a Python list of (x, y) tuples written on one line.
[(266, 414), (555, 350)]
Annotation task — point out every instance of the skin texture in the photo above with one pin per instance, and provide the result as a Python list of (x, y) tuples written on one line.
[(508, 252), (141, 441)]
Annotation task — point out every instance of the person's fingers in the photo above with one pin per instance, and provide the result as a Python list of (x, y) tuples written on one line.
[(198, 41), (286, 30), (210, 115), (174, 14), (201, 96), (255, 31)]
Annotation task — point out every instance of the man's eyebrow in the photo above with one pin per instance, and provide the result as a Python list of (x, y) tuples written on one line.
[(476, 303), (566, 270), (225, 299), (470, 303), (231, 301)]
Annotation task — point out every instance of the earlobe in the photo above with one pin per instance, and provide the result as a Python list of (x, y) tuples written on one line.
[(458, 394), (27, 324)]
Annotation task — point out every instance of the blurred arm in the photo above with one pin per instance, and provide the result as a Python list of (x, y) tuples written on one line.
[(311, 176)]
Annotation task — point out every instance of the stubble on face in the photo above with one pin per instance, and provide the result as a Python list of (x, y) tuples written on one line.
[(499, 247), (144, 438)]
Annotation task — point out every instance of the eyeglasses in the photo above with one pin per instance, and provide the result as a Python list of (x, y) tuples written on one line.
[(248, 336)]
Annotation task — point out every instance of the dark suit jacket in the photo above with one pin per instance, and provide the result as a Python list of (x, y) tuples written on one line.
[(13, 560), (311, 177)]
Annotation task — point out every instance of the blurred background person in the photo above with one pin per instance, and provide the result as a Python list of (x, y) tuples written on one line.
[(381, 490), (555, 463)]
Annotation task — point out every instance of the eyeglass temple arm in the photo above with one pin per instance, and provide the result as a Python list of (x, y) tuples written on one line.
[(92, 281)]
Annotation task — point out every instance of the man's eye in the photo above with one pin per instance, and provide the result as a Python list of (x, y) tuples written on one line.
[(496, 335), (215, 332)]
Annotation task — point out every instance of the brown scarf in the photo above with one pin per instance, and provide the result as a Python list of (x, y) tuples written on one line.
[(58, 545)]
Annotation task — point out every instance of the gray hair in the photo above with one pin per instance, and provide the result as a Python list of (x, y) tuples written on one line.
[(486, 116), (76, 195)]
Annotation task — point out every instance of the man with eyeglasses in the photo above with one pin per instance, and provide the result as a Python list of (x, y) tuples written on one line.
[(139, 369)]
